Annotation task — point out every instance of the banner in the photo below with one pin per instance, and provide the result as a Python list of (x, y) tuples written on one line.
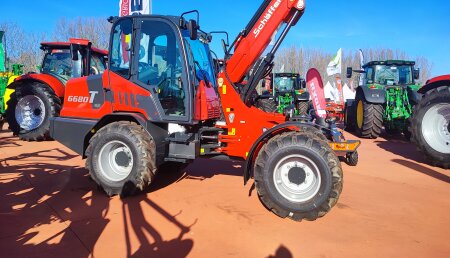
[(361, 58), (315, 87), (129, 7), (335, 66)]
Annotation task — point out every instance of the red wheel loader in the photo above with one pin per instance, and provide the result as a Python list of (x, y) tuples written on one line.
[(161, 101)]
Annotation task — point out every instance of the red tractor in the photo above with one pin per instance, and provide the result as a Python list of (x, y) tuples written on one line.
[(38, 97), (161, 101), (430, 123)]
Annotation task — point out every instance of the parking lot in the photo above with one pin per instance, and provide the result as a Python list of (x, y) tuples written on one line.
[(393, 205)]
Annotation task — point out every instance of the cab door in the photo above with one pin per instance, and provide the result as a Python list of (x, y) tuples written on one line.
[(151, 58)]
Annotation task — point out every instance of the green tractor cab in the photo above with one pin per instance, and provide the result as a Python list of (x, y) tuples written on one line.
[(385, 97), (288, 94)]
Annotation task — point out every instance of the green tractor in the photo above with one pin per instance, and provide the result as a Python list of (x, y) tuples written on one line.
[(7, 76), (289, 94), (385, 97)]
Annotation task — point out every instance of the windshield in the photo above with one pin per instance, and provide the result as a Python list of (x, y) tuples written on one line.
[(58, 63), (284, 83), (393, 75), (202, 59)]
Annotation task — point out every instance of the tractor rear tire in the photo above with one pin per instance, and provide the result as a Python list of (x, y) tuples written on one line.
[(298, 176), (349, 117), (369, 118), (267, 105), (303, 108), (121, 158), (430, 126), (30, 109)]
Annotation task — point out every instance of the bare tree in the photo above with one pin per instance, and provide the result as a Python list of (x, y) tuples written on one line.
[(97, 30), (299, 60), (23, 48)]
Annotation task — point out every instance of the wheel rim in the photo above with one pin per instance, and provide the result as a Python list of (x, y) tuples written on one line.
[(297, 178), (360, 114), (30, 112), (115, 161), (435, 128)]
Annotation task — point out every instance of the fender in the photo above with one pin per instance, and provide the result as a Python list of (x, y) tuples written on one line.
[(56, 85), (435, 83), (372, 95), (248, 168), (305, 96)]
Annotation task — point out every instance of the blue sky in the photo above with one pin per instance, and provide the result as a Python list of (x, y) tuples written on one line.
[(420, 28)]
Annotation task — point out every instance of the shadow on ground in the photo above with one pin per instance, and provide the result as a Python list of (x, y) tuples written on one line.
[(49, 210), (424, 170)]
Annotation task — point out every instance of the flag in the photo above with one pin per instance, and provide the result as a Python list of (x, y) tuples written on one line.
[(129, 7), (335, 66), (361, 58)]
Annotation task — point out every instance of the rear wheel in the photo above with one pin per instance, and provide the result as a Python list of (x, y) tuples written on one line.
[(369, 118), (430, 126), (121, 158), (349, 117), (267, 105), (29, 111), (352, 158), (298, 176)]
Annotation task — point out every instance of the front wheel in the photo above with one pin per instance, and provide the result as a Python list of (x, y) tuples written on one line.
[(298, 176), (369, 118), (121, 158)]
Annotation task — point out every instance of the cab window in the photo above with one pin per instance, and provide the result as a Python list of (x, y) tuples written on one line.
[(160, 66), (121, 48)]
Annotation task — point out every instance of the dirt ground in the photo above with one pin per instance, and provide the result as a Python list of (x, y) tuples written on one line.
[(393, 205)]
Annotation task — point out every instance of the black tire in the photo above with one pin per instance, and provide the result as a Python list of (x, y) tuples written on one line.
[(372, 122), (303, 108), (267, 105), (431, 98), (320, 154), (52, 105), (352, 158), (142, 148), (349, 118)]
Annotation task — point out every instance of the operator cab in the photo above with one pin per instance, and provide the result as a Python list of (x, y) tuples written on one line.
[(59, 60), (170, 58)]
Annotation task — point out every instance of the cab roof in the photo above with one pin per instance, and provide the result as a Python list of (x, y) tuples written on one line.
[(390, 62), (66, 45)]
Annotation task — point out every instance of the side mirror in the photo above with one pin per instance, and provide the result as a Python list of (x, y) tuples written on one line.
[(193, 29), (416, 74), (349, 72)]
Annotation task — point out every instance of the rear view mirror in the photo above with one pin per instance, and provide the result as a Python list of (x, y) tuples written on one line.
[(193, 29), (349, 72), (416, 74)]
